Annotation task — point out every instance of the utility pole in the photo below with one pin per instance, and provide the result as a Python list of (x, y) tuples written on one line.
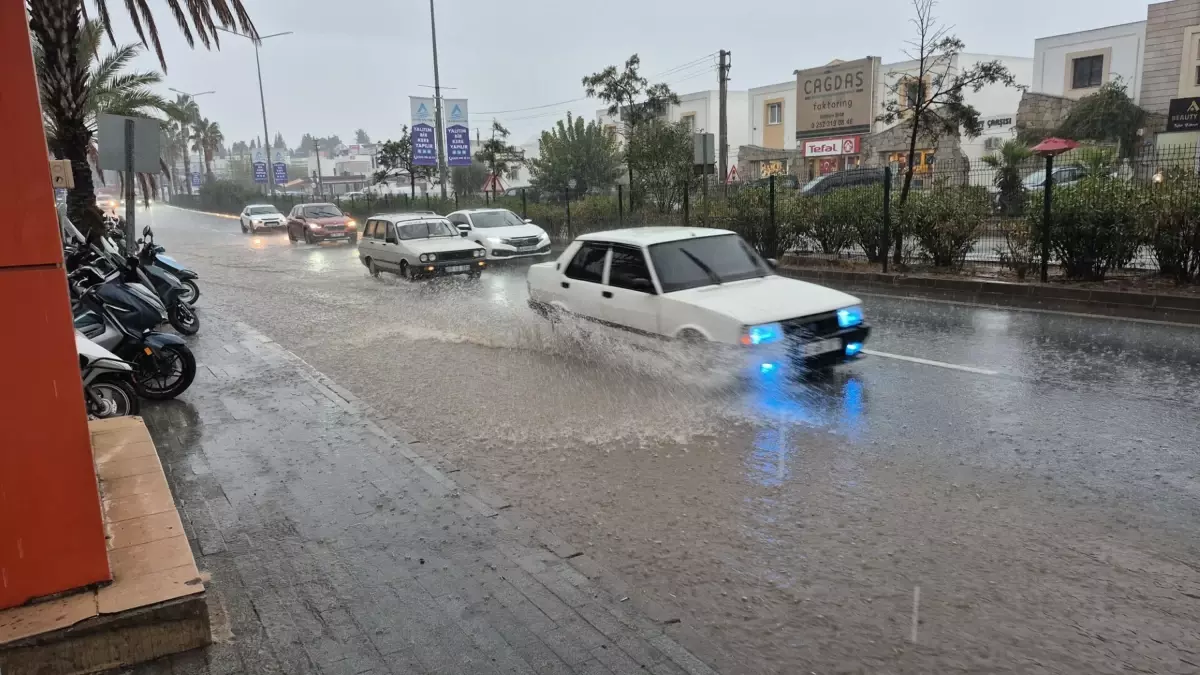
[(317, 149), (437, 104), (262, 101), (723, 125)]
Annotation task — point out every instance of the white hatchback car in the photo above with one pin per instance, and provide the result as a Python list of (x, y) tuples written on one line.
[(698, 284), (257, 217), (418, 245), (502, 233)]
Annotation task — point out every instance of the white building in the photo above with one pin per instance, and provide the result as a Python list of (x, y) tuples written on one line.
[(1074, 65)]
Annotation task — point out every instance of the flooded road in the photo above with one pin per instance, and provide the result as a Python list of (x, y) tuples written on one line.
[(1034, 475)]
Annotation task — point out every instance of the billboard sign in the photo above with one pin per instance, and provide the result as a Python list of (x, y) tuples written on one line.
[(195, 179), (279, 165), (424, 140), (260, 165), (837, 99), (1184, 114), (458, 135)]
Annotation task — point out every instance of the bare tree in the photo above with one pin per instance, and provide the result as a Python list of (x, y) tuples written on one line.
[(933, 99)]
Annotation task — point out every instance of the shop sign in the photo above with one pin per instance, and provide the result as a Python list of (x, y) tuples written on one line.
[(826, 147), (836, 98), (1184, 114)]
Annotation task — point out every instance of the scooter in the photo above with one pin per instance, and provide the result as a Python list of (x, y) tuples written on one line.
[(153, 254), (107, 381), (169, 289)]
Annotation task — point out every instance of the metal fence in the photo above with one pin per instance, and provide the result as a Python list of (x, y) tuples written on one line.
[(1107, 215)]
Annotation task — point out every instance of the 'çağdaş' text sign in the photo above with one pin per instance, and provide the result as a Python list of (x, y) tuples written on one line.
[(836, 100), (458, 135), (424, 140)]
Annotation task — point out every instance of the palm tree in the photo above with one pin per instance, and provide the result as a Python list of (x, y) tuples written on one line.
[(186, 113), (1009, 163), (58, 25), (174, 147), (207, 139)]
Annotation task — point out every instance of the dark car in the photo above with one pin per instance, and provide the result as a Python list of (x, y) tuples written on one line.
[(783, 181), (838, 180), (318, 222)]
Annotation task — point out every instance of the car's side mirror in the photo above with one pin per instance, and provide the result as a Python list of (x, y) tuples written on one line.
[(773, 263), (463, 227), (392, 240), (463, 234)]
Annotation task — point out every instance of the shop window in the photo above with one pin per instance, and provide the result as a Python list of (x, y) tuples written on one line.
[(774, 113), (1087, 72), (689, 121)]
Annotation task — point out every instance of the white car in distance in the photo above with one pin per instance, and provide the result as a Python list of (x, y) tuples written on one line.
[(417, 246), (697, 284), (502, 233), (257, 217)]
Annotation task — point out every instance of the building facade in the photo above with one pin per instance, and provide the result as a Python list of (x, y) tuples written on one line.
[(1074, 65)]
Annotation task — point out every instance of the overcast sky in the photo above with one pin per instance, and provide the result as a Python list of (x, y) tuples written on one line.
[(354, 63)]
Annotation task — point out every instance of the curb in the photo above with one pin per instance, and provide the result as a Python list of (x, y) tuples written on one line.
[(1128, 305), (205, 213), (658, 625)]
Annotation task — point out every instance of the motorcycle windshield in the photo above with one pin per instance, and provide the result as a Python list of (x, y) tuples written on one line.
[(168, 260)]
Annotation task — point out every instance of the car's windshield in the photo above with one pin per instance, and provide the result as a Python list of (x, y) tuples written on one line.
[(424, 229), (495, 219), (261, 210), (814, 182), (704, 261), (322, 211)]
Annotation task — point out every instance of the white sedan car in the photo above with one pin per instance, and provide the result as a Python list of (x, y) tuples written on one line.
[(697, 284), (502, 233), (417, 246), (257, 217)]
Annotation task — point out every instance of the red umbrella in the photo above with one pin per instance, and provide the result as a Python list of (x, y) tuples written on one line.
[(1054, 146)]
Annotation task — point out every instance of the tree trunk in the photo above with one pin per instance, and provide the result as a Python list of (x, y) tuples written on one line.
[(56, 24), (898, 243), (187, 171)]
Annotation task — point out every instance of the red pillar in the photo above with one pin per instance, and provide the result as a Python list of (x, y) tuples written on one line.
[(51, 534)]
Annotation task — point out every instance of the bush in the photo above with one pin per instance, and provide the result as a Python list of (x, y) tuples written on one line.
[(1174, 227), (1020, 252), (946, 222), (846, 217), (1093, 226)]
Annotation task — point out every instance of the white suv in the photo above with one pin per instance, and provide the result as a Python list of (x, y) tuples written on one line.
[(502, 233), (418, 245)]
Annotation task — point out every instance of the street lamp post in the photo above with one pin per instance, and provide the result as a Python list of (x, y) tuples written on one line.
[(199, 155), (262, 101), (437, 104)]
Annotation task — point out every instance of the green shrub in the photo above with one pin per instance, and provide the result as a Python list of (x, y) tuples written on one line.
[(1020, 251), (1094, 225), (1174, 225), (843, 217), (946, 222)]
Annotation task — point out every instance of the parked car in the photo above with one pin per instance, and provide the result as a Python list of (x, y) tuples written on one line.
[(318, 222), (502, 233), (783, 181), (257, 217), (697, 284), (418, 245), (1065, 175), (347, 196), (842, 179)]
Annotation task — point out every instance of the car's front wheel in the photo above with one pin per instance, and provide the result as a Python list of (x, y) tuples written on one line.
[(244, 227), (372, 268), (308, 236), (291, 235)]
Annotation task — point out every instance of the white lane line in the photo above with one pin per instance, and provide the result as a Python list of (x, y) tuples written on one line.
[(927, 362)]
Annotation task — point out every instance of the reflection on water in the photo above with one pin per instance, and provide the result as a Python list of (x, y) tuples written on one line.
[(317, 262), (831, 400)]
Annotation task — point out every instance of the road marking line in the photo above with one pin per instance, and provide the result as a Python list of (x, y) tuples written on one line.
[(916, 608), (927, 362)]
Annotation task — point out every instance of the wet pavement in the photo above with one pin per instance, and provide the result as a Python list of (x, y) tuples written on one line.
[(1034, 475), (334, 547)]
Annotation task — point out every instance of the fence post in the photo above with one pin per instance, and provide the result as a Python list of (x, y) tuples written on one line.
[(621, 205), (524, 206), (427, 205), (774, 252), (704, 196), (485, 198), (567, 194), (885, 242), (455, 200), (686, 210), (1047, 200)]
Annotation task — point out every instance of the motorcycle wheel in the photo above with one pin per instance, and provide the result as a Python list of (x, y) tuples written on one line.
[(107, 398), (191, 292), (183, 318), (164, 377)]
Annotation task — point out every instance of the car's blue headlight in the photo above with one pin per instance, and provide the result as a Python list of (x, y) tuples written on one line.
[(851, 316), (763, 334)]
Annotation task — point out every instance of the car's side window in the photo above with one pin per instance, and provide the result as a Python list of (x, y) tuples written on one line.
[(391, 232), (628, 269), (369, 229), (588, 263)]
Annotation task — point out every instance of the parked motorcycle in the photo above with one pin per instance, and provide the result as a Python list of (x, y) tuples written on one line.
[(108, 387), (120, 316), (153, 254), (169, 289)]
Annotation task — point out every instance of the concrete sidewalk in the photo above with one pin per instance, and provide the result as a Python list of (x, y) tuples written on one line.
[(337, 546)]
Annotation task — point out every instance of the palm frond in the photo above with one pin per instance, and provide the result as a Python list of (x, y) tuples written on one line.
[(197, 20)]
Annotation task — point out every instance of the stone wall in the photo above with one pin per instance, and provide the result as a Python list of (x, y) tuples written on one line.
[(1042, 112)]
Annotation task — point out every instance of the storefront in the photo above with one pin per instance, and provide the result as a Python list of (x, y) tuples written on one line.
[(826, 155)]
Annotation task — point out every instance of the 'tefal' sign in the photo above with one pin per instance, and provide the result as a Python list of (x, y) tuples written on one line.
[(825, 147)]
